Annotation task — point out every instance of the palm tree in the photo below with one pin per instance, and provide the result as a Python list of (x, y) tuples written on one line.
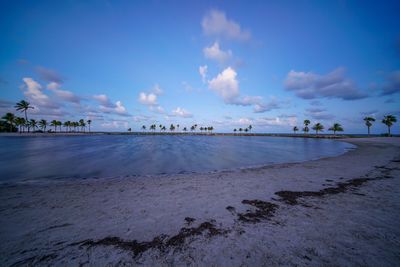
[(240, 129), (90, 122), (184, 129), (23, 106), (20, 122), (250, 127), (295, 129), (388, 120), (318, 127), (43, 125), (144, 128), (75, 125), (33, 124), (27, 125), (177, 126), (54, 123), (10, 119), (82, 124), (306, 123), (246, 130), (172, 127), (234, 130), (336, 128), (66, 125), (69, 125), (59, 123), (368, 122), (129, 130), (201, 129)]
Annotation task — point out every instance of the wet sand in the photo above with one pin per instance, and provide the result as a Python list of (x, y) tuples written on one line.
[(341, 211)]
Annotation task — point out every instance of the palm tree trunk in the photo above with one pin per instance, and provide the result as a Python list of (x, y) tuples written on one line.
[(368, 130), (26, 117), (389, 130)]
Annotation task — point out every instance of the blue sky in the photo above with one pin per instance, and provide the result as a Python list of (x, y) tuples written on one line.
[(228, 64)]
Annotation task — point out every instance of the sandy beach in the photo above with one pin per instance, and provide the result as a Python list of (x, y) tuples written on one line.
[(339, 211)]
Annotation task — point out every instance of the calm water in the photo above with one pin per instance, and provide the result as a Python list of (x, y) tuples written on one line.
[(119, 155)]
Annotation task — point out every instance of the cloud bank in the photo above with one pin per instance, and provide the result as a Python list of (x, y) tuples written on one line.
[(308, 85)]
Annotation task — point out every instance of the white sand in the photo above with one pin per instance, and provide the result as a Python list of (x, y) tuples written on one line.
[(95, 222)]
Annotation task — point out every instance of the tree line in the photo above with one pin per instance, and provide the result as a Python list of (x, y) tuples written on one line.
[(248, 129), (172, 128), (14, 123), (388, 120)]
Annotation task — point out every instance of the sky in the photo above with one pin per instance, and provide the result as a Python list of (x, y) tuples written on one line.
[(226, 64)]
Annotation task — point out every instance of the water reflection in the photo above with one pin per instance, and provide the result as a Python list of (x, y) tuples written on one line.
[(110, 156)]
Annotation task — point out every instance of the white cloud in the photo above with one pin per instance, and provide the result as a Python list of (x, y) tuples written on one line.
[(269, 121), (244, 121), (217, 24), (215, 53), (149, 99), (157, 109), (274, 122), (119, 108), (203, 73), (277, 121), (308, 85), (180, 112), (104, 101), (63, 94), (107, 106), (33, 92), (226, 85), (53, 86)]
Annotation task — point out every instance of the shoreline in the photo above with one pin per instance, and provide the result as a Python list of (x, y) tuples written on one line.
[(298, 135), (281, 214)]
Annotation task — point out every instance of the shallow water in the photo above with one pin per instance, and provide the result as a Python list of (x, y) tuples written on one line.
[(26, 158)]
